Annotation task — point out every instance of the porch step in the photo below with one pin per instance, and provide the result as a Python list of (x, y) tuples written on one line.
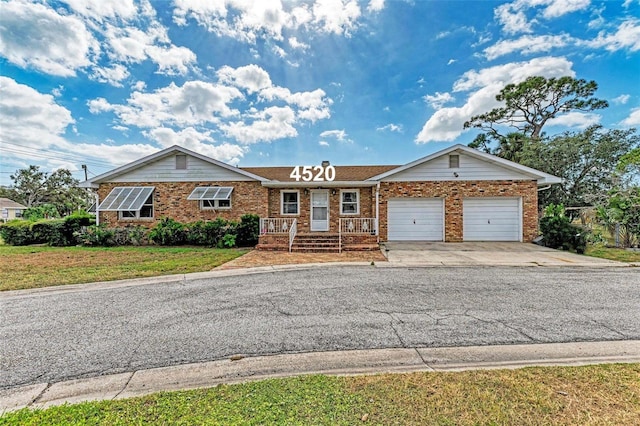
[(316, 243)]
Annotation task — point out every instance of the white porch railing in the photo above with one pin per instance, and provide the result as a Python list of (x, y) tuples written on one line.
[(357, 225), (280, 225), (293, 230)]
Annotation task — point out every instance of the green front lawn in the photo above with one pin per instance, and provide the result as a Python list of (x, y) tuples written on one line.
[(35, 266), (589, 395), (621, 255)]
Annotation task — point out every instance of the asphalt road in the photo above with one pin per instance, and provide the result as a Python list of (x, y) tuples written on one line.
[(60, 336)]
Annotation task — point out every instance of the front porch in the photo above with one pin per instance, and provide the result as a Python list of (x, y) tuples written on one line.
[(354, 234)]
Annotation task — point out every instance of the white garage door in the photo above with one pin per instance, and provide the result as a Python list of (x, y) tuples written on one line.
[(415, 219), (491, 219)]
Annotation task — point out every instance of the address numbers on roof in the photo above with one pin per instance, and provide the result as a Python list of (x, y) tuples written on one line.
[(313, 173)]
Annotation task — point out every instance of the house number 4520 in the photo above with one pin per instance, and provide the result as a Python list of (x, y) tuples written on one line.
[(313, 173)]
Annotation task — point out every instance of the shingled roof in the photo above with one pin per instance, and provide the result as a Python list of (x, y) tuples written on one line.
[(6, 203), (343, 173)]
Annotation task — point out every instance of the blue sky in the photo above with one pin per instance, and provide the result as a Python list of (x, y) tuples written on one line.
[(103, 83)]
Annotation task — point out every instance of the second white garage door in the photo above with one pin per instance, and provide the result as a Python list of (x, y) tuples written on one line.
[(491, 219), (415, 219)]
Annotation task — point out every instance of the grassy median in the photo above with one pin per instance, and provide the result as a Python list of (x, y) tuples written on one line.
[(35, 266), (589, 395)]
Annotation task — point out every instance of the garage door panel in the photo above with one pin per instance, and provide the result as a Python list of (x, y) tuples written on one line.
[(415, 219), (491, 219)]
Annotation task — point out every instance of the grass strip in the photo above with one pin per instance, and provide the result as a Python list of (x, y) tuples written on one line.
[(621, 255), (587, 395), (35, 266)]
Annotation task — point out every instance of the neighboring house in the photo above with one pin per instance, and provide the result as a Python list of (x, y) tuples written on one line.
[(10, 209), (457, 194)]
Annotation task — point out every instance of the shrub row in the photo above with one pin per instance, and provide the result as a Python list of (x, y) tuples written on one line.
[(168, 232), (55, 232)]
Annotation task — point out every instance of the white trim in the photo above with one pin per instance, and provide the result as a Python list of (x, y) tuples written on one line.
[(282, 202), (94, 182), (357, 212), (542, 177), (216, 203), (318, 191)]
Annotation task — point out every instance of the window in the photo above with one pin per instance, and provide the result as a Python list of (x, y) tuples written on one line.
[(454, 161), (290, 201), (215, 204), (18, 213), (181, 162), (145, 212), (212, 197), (349, 201), (131, 202)]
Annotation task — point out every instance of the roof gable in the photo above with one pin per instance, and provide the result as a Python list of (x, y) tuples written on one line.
[(160, 167), (6, 203), (474, 165)]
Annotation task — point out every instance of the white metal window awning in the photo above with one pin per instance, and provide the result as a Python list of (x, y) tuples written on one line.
[(211, 193), (126, 198)]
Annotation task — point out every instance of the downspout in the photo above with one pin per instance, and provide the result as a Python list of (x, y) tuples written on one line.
[(97, 209), (378, 211), (544, 188)]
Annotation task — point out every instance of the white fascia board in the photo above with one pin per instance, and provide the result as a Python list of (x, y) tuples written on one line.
[(324, 184), (93, 183)]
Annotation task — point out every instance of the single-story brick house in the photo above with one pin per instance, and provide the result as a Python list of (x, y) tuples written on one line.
[(457, 194)]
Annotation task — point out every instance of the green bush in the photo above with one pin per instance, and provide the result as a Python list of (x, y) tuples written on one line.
[(558, 232), (50, 231), (168, 233), (16, 233), (210, 233), (95, 235), (248, 230)]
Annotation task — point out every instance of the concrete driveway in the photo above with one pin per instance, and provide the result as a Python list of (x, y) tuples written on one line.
[(485, 254)]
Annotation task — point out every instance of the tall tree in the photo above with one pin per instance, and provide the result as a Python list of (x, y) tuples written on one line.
[(33, 187), (586, 161), (528, 107)]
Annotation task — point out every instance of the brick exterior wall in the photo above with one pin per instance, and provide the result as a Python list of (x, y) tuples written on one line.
[(170, 200), (367, 206), (453, 194)]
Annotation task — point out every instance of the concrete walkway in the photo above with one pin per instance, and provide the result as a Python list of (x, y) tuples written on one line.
[(239, 369), (403, 254)]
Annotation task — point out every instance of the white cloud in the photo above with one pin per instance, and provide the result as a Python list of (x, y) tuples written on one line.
[(512, 19), (339, 135), (512, 16), (251, 77), (113, 75), (446, 124), (101, 9), (439, 99), (293, 42), (627, 36), (622, 99), (575, 119), (633, 119), (244, 104), (323, 143), (197, 141), (35, 36), (391, 128), (557, 8), (271, 124), (527, 45), (29, 118), (375, 5), (248, 21), (452, 61)]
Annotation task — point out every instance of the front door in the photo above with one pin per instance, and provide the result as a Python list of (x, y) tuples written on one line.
[(319, 210)]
